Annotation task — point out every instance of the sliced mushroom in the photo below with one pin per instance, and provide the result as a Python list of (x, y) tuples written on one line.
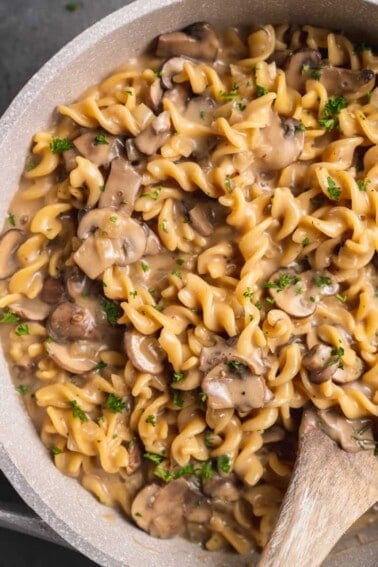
[(154, 95), (163, 511), (121, 187), (69, 322), (274, 434), (232, 384), (31, 309), (150, 140), (222, 488), (62, 356), (69, 159), (133, 154), (340, 81), (52, 291), (9, 244), (198, 40), (296, 294), (179, 96), (145, 352), (221, 351), (351, 434), (280, 143), (299, 65), (324, 363), (135, 458), (109, 239), (99, 153), (200, 220), (153, 245), (172, 67)]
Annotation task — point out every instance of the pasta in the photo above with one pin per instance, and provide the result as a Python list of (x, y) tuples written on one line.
[(190, 261)]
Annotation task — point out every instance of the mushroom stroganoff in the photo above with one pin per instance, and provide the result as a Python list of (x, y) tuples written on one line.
[(190, 261)]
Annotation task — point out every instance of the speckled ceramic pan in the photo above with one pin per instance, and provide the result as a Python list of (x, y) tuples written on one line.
[(93, 529)]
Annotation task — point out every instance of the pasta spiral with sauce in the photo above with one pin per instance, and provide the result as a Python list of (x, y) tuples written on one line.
[(191, 260)]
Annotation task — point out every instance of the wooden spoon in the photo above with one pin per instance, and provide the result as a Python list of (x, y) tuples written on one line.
[(329, 490)]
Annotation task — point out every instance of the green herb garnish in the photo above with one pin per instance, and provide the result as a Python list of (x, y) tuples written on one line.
[(177, 398), (112, 311), (151, 419), (60, 145), (22, 330), (115, 404), (177, 376), (100, 365), (154, 195), (362, 185), (224, 464), (337, 354), (315, 74), (56, 451), (9, 317), (72, 6), (177, 273), (77, 411), (282, 282), (229, 184), (145, 267), (261, 91), (331, 111), (334, 190), (236, 367), (322, 281), (154, 457), (11, 219), (23, 389), (101, 139), (306, 241)]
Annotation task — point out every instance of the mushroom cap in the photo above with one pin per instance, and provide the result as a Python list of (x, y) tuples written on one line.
[(340, 81), (9, 244), (70, 322), (52, 291), (97, 153), (198, 40), (31, 309), (172, 67), (322, 365), (150, 140), (351, 434), (121, 187), (75, 363), (144, 351), (298, 67), (280, 143), (296, 293)]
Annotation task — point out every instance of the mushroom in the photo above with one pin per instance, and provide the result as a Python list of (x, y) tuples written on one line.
[(299, 65), (172, 67), (222, 488), (62, 356), (69, 159), (133, 154), (135, 457), (221, 351), (352, 434), (70, 322), (280, 143), (296, 294), (52, 291), (154, 94), (340, 81), (163, 511), (325, 363), (274, 434), (10, 241), (155, 135), (108, 239), (31, 309), (198, 40), (97, 146), (200, 220), (234, 384), (144, 351), (153, 245), (121, 187), (200, 109)]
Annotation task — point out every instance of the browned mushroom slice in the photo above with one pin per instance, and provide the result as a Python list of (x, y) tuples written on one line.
[(9, 244), (281, 142), (75, 363), (69, 159), (52, 291), (340, 81), (133, 154), (154, 95), (200, 220), (153, 245), (296, 294), (351, 434), (232, 384), (31, 309), (221, 351), (163, 511), (222, 488), (150, 140), (300, 66), (99, 147), (172, 67), (198, 40), (69, 322), (144, 352), (121, 187), (316, 362), (135, 457)]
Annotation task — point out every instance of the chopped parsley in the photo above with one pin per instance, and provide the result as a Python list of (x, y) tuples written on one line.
[(22, 330), (159, 73), (362, 185), (300, 127), (236, 367), (336, 354), (115, 404), (100, 365), (229, 184), (208, 439), (60, 145), (177, 376), (241, 106), (282, 282), (341, 298), (306, 241), (177, 398), (101, 188), (151, 419), (9, 317), (248, 293), (101, 139), (224, 464), (23, 389), (32, 164), (56, 451), (315, 74), (159, 308), (360, 47), (133, 293), (334, 190), (145, 267), (177, 273), (230, 95), (113, 218), (112, 311), (154, 457), (154, 195), (163, 225), (202, 114), (331, 111), (322, 281), (261, 91), (270, 300), (206, 471), (77, 411), (11, 219), (72, 6), (305, 68), (180, 262)]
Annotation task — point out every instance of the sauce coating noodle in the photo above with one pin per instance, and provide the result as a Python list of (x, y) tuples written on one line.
[(189, 262)]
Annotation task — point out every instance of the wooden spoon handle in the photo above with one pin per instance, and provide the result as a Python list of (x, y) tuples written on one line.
[(329, 490)]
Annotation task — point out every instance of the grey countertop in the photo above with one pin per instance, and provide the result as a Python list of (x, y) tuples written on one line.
[(31, 31)]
